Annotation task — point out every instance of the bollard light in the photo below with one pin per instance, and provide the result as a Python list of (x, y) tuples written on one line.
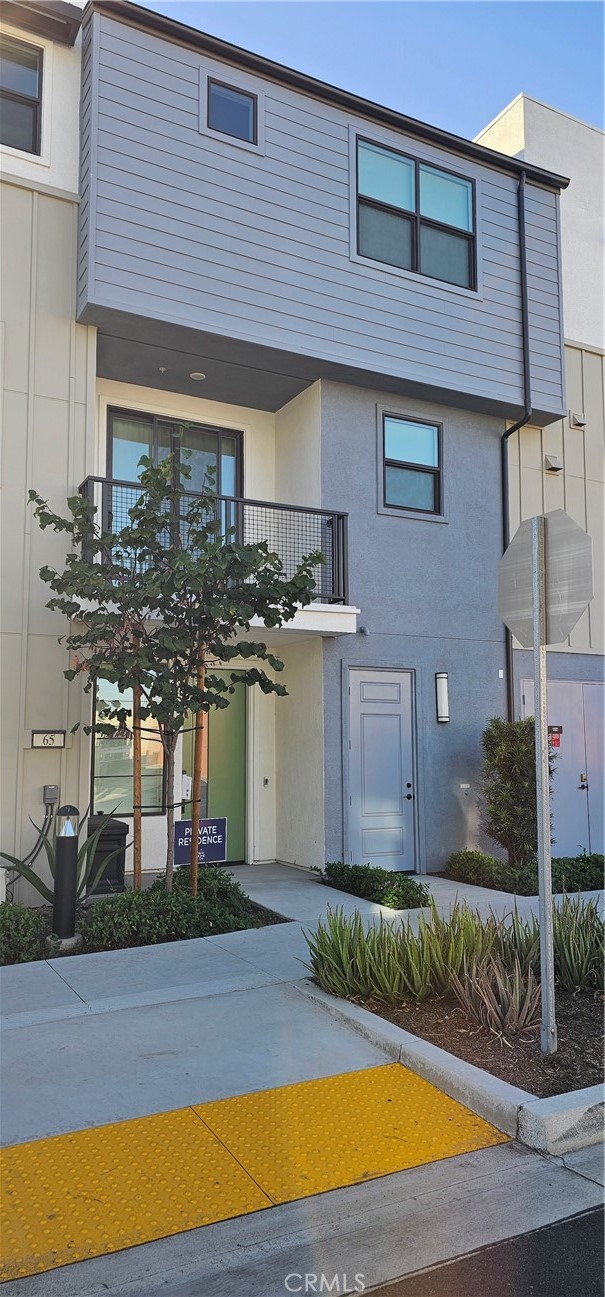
[(66, 874), (67, 822), (442, 697)]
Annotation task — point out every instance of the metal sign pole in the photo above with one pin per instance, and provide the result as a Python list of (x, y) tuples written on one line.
[(548, 1035)]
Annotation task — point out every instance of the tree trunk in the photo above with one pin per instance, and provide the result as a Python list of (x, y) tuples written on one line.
[(169, 738), (198, 753), (137, 788)]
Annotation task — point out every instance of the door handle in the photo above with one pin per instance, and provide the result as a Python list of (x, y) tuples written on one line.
[(582, 786), (583, 780), (409, 797)]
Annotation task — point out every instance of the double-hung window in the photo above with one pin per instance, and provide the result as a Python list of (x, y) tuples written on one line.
[(20, 95), (411, 464), (414, 216)]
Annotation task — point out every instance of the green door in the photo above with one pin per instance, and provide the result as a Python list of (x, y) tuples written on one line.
[(227, 770), (223, 791)]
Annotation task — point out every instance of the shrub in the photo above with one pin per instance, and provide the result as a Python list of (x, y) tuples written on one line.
[(569, 874), (398, 891), (509, 787), (578, 873), (21, 934), (146, 918)]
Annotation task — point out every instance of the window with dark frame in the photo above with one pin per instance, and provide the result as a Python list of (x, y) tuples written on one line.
[(112, 759), (411, 464), (415, 216), (20, 95), (197, 447), (232, 111)]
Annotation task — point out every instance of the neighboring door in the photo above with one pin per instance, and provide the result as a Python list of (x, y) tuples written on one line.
[(575, 711), (381, 769)]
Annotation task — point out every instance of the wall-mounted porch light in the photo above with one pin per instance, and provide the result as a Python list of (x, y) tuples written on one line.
[(442, 696)]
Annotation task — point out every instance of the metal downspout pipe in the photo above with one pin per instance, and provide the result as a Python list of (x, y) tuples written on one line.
[(527, 413)]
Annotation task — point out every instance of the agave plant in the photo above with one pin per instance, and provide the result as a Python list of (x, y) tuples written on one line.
[(578, 940), (87, 875), (519, 939), (500, 998)]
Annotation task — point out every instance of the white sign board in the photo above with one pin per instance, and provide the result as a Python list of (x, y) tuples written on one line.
[(569, 579)]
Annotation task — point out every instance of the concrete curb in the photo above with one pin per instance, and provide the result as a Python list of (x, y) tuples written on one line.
[(564, 1123), (559, 1125)]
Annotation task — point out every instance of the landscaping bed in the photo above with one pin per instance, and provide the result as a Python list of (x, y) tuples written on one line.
[(131, 919), (569, 873), (371, 883), (518, 1059)]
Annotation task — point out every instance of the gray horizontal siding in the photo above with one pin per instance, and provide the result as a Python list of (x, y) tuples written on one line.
[(192, 229)]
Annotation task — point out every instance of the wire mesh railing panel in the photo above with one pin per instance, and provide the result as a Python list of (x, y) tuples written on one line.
[(291, 532)]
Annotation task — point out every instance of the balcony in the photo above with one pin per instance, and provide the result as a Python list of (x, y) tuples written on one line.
[(291, 531)]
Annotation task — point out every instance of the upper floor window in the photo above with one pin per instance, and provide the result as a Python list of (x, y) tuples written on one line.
[(414, 216), (232, 111), (412, 464), (20, 95)]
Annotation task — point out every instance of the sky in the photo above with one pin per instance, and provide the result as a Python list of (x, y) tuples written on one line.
[(452, 63)]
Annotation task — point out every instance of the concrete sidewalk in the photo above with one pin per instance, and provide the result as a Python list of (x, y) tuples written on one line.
[(95, 1039)]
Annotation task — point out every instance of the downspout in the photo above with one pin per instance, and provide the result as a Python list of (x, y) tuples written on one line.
[(527, 413)]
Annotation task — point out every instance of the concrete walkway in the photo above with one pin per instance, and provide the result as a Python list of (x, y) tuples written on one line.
[(102, 1038)]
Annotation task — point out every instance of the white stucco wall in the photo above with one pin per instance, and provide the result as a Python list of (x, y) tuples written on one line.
[(549, 138)]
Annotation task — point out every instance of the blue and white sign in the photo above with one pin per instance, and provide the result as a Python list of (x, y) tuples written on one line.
[(212, 847)]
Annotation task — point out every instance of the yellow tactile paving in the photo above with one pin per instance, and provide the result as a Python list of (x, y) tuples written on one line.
[(77, 1196), (96, 1191), (304, 1139)]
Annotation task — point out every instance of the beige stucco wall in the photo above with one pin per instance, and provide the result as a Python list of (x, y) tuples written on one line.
[(298, 449), (300, 834), (549, 138), (57, 165), (48, 443), (578, 488)]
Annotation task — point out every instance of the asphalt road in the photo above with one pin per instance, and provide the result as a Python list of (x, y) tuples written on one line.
[(561, 1260)]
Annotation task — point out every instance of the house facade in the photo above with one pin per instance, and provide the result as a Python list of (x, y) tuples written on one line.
[(340, 310), (562, 466)]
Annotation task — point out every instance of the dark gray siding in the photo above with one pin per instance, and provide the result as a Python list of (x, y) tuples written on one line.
[(256, 247)]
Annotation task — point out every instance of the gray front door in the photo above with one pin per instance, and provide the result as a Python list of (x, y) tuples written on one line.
[(381, 769), (576, 709)]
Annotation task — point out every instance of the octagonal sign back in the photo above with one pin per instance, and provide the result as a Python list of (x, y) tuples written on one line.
[(569, 579)]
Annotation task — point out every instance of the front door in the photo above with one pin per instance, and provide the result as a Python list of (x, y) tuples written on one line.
[(223, 786), (575, 717), (381, 769)]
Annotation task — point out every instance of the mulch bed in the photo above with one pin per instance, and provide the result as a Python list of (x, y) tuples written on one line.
[(517, 1059)]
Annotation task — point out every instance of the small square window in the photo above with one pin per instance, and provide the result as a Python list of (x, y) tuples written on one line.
[(412, 467), (232, 112), (20, 95)]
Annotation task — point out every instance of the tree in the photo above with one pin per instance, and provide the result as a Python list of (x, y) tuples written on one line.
[(509, 787), (158, 604)]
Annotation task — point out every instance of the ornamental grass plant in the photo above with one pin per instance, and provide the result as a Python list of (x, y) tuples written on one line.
[(491, 965)]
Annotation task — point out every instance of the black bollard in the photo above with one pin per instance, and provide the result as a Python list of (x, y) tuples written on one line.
[(66, 875)]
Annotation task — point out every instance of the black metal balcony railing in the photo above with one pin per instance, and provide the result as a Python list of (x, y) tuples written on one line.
[(291, 531)]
